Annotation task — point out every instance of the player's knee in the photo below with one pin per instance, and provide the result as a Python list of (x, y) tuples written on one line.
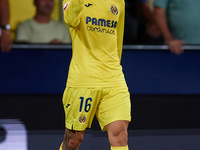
[(117, 133), (120, 137)]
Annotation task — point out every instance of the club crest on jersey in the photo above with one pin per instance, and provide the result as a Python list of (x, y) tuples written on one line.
[(65, 6), (114, 10), (82, 119)]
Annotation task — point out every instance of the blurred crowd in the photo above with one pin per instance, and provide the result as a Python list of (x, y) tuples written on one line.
[(41, 29), (140, 26), (157, 22), (147, 22)]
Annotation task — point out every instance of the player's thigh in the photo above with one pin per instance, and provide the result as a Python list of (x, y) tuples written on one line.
[(80, 106), (114, 106)]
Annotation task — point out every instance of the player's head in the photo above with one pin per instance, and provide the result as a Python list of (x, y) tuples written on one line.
[(44, 7)]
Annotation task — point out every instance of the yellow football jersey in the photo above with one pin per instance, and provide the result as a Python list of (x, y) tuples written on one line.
[(96, 28)]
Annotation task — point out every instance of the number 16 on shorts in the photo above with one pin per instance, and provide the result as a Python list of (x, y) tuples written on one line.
[(87, 105)]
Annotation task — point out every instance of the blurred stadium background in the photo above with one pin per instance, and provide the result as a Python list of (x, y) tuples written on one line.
[(21, 10)]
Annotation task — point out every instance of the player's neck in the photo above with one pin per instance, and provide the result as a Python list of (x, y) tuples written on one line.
[(42, 18)]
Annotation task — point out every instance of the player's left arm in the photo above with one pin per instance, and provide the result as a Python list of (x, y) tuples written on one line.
[(120, 30)]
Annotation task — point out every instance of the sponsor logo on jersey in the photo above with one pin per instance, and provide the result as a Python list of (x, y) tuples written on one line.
[(114, 10), (99, 24), (65, 6), (101, 30), (82, 119)]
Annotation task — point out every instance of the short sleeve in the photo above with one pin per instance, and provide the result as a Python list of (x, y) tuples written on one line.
[(23, 33)]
